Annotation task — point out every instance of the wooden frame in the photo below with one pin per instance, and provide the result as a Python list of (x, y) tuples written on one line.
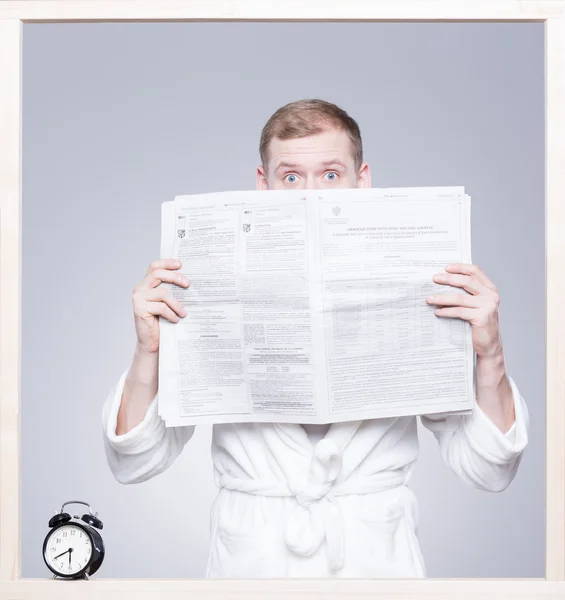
[(12, 16)]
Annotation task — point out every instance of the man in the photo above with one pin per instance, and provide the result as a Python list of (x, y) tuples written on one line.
[(299, 500)]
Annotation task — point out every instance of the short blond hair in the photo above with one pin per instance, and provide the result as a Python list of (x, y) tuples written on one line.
[(309, 117)]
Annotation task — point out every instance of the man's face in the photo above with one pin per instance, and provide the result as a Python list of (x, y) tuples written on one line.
[(321, 161)]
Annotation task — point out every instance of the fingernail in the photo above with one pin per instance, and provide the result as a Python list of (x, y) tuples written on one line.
[(431, 298)]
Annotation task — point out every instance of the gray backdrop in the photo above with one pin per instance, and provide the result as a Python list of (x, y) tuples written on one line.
[(119, 118)]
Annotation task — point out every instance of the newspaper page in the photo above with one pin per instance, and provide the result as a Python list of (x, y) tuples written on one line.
[(309, 306)]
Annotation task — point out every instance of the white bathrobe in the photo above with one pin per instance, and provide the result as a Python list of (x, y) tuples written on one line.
[(340, 507)]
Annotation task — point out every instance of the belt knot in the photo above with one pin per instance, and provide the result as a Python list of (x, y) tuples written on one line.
[(317, 517)]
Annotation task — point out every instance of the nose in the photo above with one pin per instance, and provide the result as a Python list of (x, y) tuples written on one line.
[(310, 183)]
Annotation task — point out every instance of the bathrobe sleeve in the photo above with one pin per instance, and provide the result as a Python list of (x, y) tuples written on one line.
[(475, 448), (147, 449)]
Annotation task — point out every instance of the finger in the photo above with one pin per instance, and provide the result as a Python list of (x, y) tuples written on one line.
[(457, 312), (159, 276), (471, 270), (160, 308), (473, 286), (164, 263), (157, 309), (164, 295), (455, 300)]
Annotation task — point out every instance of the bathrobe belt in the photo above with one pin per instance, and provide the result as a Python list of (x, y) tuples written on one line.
[(316, 516)]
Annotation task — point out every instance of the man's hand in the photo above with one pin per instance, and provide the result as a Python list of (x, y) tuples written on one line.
[(479, 307), (151, 300)]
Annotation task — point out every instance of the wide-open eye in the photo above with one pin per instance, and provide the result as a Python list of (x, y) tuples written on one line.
[(291, 178), (331, 175)]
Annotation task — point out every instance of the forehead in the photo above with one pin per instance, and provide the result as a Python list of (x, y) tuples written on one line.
[(330, 144)]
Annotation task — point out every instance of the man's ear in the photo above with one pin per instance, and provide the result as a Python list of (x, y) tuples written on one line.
[(364, 176), (261, 178)]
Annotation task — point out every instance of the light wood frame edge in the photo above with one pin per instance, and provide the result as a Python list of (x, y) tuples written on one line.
[(12, 17)]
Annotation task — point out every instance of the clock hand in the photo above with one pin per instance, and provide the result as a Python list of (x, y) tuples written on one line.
[(70, 552), (60, 554)]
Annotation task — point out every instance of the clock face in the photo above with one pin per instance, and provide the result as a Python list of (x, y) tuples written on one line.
[(68, 549)]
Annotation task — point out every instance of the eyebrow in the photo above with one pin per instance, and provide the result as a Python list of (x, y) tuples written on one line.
[(325, 163)]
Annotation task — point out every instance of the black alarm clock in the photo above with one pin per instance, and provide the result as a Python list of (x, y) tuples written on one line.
[(73, 548)]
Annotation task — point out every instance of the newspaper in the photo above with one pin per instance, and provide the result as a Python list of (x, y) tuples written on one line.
[(309, 306)]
